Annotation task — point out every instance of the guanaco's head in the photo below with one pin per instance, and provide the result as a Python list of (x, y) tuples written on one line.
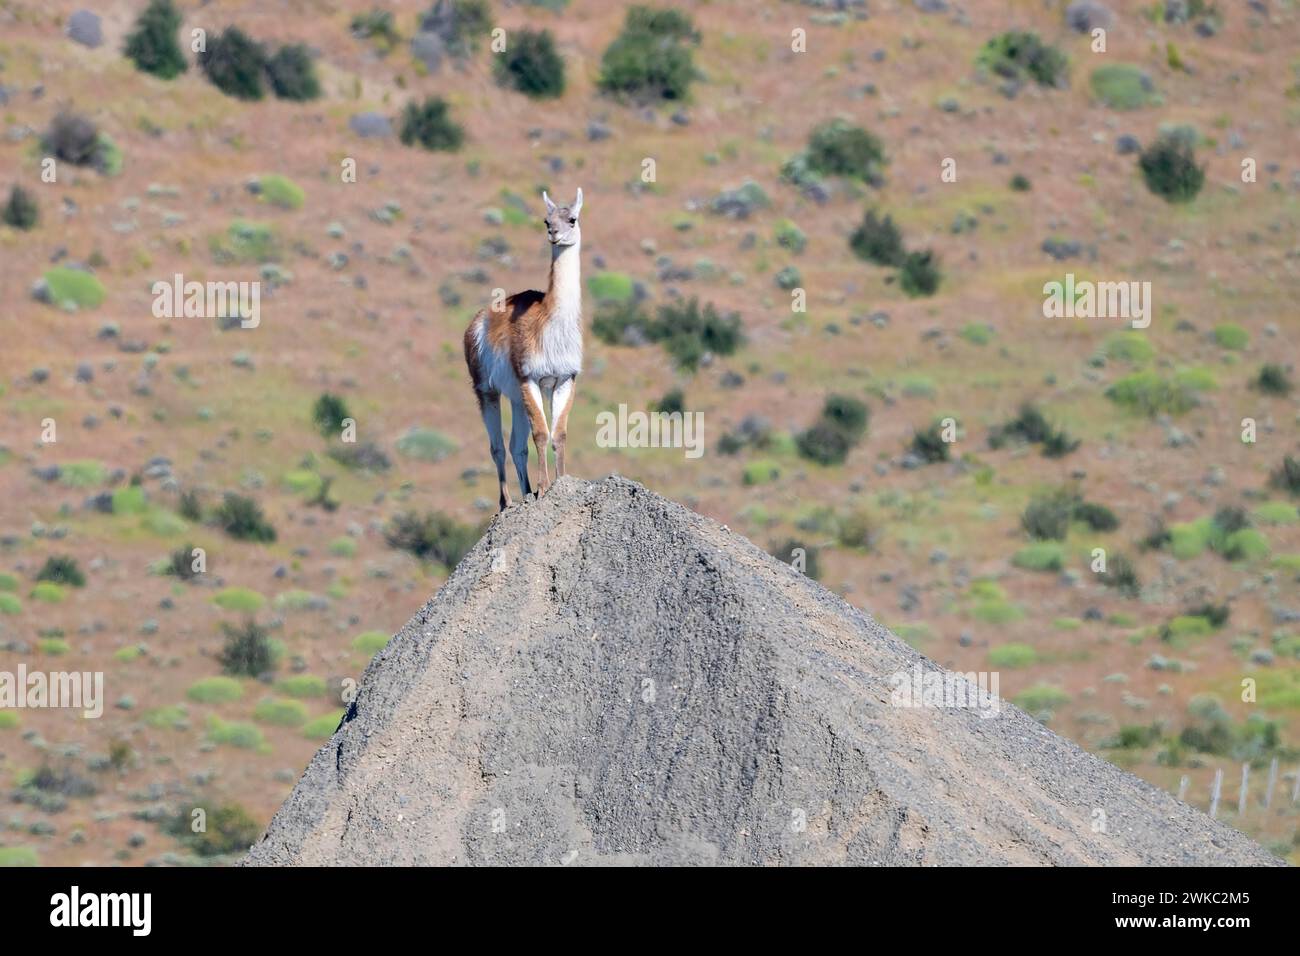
[(562, 221)]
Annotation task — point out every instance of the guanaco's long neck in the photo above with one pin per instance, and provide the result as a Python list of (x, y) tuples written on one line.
[(564, 294)]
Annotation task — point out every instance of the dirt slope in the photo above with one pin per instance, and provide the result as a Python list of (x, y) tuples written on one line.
[(610, 678)]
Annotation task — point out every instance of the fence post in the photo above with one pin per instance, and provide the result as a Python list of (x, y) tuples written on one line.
[(1272, 782), (1214, 794), (1241, 794), (1182, 787)]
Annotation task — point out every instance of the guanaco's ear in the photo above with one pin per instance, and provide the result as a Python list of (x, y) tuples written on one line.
[(550, 206), (577, 204)]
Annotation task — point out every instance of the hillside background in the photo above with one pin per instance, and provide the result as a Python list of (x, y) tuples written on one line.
[(220, 686)]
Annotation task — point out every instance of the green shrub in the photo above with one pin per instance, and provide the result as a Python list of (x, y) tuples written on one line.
[(1018, 55), (1029, 426), (1216, 614), (531, 65), (651, 58), (433, 537), (241, 517), (239, 599), (621, 323), (1169, 169), (302, 685), (343, 547), (377, 25), (461, 24), (430, 125), (425, 444), (1148, 393), (824, 444), (189, 507), (235, 733), (1041, 699), (1123, 87), (371, 642), (180, 563), (1058, 444), (759, 472), (73, 288), (842, 422), (20, 210), (361, 456), (1276, 513), (689, 332), (229, 829), (130, 501), (855, 529), (280, 712), (235, 64), (247, 651), (215, 690), (1040, 556), (62, 569), (328, 414), (1012, 656), (1274, 380), (1020, 183), (10, 604), (611, 287), (280, 191), (1121, 574), (928, 444), (838, 148), (789, 236), (1231, 518), (1132, 347), (292, 73), (1047, 517), (673, 402), (878, 240), (1133, 737), (16, 856), (74, 139), (1286, 477), (1244, 545), (152, 45), (1095, 516), (847, 414), (920, 275), (247, 241), (49, 592), (1231, 336), (322, 727)]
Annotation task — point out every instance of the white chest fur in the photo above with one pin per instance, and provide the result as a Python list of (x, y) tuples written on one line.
[(559, 353)]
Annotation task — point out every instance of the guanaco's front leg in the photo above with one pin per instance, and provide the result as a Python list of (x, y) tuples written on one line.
[(541, 434)]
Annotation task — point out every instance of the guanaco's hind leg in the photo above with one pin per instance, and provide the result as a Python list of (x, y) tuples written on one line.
[(519, 445), (491, 407)]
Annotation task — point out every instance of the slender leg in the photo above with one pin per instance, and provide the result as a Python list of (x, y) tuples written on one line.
[(492, 422), (519, 445), (541, 434), (561, 402)]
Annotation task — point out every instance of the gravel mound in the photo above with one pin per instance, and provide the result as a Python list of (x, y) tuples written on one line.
[(609, 678)]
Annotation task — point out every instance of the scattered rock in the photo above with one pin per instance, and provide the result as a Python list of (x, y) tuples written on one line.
[(84, 28), (1084, 16)]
